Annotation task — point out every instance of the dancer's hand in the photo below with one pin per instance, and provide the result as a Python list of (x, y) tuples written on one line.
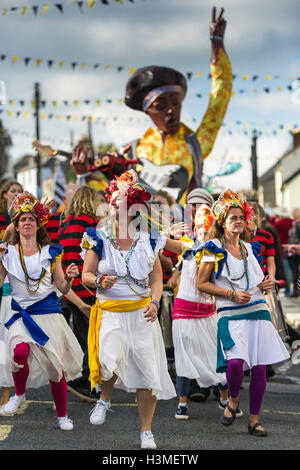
[(267, 284), (79, 160), (86, 309), (107, 282), (3, 248), (241, 297), (71, 272), (151, 312), (217, 26)]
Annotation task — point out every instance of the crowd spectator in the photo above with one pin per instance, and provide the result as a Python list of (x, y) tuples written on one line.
[(80, 215)]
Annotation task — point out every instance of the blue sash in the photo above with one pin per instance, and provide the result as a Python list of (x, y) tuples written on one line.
[(224, 338), (50, 304)]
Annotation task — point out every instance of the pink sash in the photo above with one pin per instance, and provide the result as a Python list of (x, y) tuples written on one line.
[(186, 309)]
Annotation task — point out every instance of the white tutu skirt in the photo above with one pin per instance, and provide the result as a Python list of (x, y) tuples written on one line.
[(195, 347), (133, 349), (256, 342), (60, 355)]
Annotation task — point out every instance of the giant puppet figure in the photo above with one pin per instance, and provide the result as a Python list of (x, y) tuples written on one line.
[(179, 152)]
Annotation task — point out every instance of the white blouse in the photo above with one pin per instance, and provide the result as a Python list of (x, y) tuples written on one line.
[(34, 265), (140, 265), (236, 268)]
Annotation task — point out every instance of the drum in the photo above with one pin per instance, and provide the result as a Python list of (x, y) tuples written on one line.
[(277, 315), (165, 318)]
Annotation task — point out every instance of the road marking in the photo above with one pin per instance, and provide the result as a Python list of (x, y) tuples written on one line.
[(25, 405), (4, 431), (283, 412)]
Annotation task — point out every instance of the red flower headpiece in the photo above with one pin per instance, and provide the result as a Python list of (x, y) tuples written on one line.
[(127, 185)]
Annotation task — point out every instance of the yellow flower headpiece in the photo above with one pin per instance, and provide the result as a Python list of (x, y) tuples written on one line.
[(226, 201), (27, 202)]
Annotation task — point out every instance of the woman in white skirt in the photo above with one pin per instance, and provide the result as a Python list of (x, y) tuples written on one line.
[(39, 340), (230, 270), (125, 343), (194, 326)]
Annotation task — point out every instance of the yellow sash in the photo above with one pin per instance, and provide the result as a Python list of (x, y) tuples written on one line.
[(94, 328)]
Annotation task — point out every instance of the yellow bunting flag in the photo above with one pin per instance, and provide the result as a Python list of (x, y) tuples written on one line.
[(45, 9), (24, 10), (14, 59)]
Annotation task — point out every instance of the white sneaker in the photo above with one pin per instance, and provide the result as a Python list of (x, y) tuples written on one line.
[(98, 413), (147, 440), (65, 424), (12, 405)]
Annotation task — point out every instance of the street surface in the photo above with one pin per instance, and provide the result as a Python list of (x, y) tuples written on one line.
[(34, 427)]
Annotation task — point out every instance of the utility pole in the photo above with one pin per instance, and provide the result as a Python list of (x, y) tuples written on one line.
[(90, 136), (253, 161), (37, 99)]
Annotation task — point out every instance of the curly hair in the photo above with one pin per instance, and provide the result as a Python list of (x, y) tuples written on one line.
[(84, 201)]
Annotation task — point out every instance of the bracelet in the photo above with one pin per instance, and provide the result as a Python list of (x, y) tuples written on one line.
[(98, 280), (232, 294), (155, 302), (220, 38)]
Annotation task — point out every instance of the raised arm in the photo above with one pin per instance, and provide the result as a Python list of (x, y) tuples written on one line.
[(221, 87), (3, 273)]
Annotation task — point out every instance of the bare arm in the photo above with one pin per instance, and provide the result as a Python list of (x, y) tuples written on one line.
[(89, 272), (156, 284), (3, 272), (62, 281), (76, 300), (271, 267), (204, 284)]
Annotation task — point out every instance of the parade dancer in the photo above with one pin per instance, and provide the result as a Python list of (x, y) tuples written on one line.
[(194, 326), (229, 269), (39, 339), (8, 192), (126, 348)]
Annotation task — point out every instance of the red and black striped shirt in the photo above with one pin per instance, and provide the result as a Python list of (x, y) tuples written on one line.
[(267, 246), (53, 225), (70, 237), (4, 223)]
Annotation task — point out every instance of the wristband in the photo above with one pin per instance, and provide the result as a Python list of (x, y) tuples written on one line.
[(98, 280), (220, 38), (155, 302)]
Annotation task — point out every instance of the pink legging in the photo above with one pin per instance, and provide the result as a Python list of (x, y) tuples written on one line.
[(58, 389), (235, 375)]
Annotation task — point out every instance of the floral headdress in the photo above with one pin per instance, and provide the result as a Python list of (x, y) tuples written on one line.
[(27, 202), (203, 217), (226, 201), (128, 185)]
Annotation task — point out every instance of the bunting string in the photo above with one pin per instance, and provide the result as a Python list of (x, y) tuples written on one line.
[(82, 6), (82, 65), (238, 126)]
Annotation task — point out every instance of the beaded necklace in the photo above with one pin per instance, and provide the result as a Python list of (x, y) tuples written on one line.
[(245, 262), (32, 284), (127, 259)]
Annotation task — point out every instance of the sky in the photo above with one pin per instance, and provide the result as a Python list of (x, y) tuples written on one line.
[(106, 43)]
